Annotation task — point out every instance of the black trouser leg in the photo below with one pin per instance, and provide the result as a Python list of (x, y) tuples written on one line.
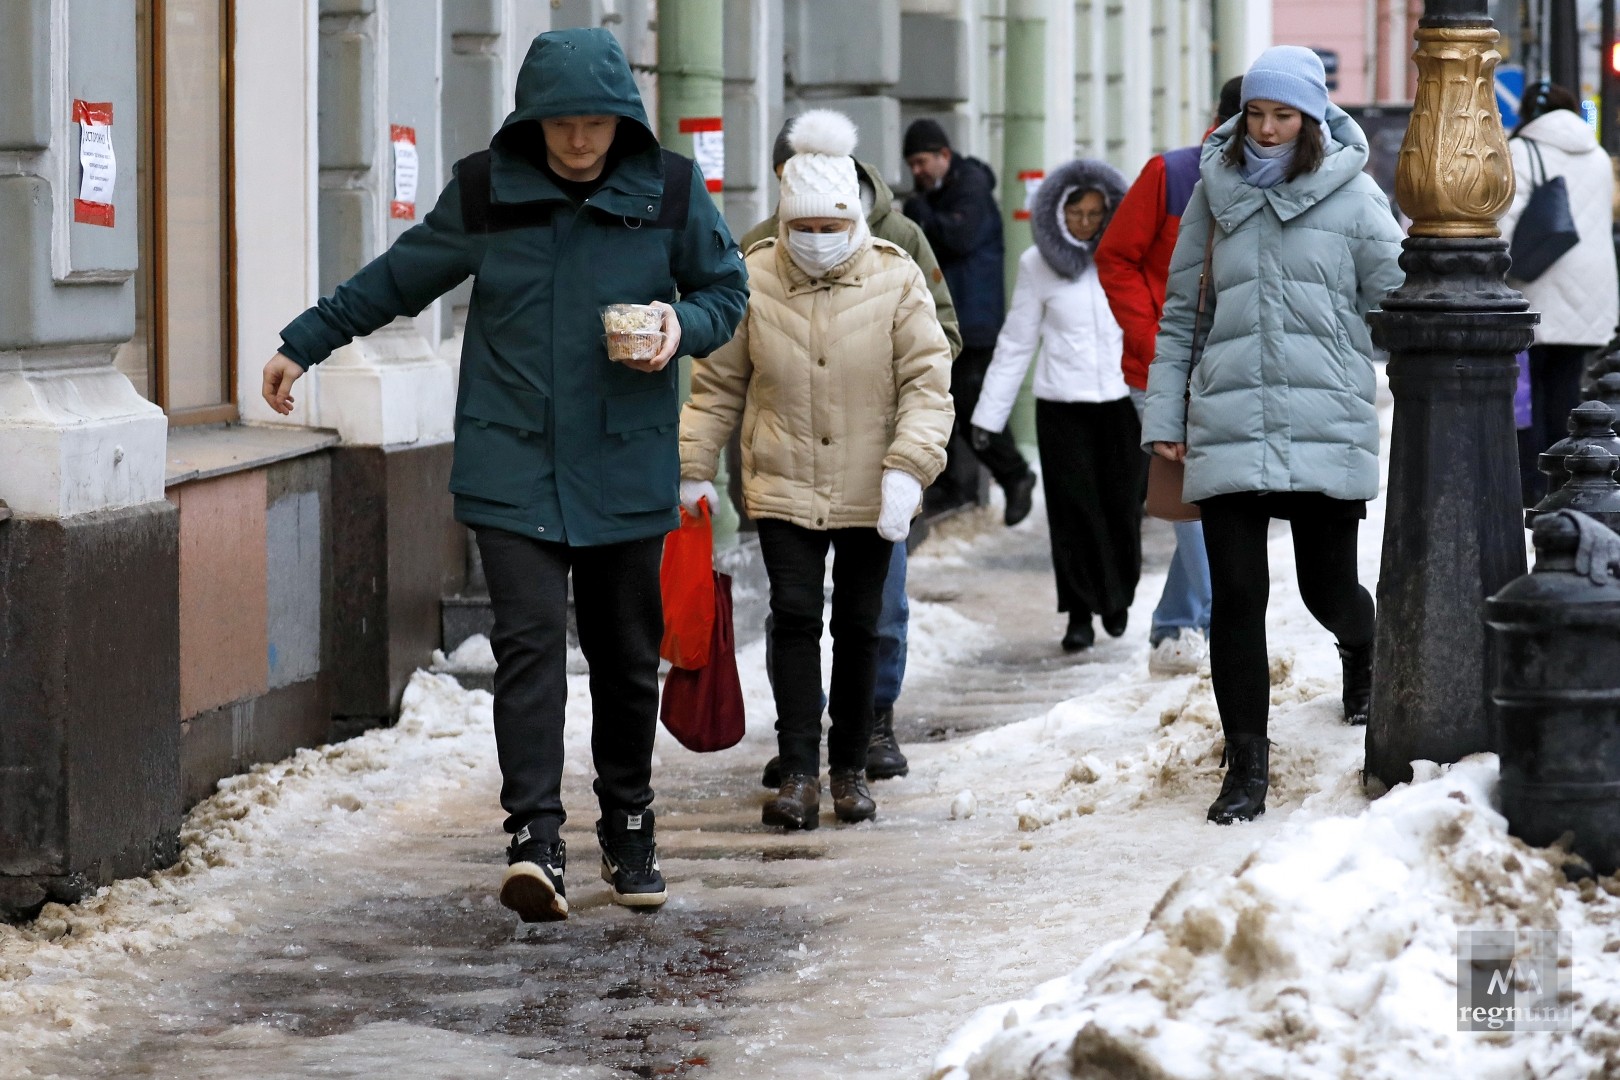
[(795, 562), (860, 566), (620, 614), (528, 590), (1555, 390), (1240, 580), (1091, 465), (1001, 457), (1325, 555)]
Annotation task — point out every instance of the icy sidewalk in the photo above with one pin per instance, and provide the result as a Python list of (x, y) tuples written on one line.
[(333, 914)]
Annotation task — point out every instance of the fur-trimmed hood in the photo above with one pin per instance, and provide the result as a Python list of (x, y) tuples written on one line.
[(1062, 252)]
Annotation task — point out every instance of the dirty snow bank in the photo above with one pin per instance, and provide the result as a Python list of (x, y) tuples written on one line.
[(1330, 952), (332, 798)]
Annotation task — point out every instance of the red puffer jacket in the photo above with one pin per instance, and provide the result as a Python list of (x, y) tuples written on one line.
[(1133, 260)]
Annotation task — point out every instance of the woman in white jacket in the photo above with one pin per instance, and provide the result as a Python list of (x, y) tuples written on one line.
[(1577, 296), (1085, 424)]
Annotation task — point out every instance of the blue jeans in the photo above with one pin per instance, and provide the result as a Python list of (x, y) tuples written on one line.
[(896, 614), (1186, 597)]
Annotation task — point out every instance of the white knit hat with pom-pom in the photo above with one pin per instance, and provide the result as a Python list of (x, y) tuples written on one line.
[(819, 179)]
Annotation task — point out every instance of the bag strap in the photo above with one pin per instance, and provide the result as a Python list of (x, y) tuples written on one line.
[(1203, 294), (1535, 153)]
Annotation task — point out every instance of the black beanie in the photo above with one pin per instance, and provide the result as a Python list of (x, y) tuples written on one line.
[(782, 150), (924, 137)]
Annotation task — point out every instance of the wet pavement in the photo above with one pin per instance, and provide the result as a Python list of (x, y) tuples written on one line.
[(838, 952)]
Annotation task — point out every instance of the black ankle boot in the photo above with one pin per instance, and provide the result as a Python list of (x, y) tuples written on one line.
[(1243, 793), (884, 760), (1079, 636), (1357, 683)]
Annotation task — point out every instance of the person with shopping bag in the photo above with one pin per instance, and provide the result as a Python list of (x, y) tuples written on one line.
[(1276, 419), (840, 378)]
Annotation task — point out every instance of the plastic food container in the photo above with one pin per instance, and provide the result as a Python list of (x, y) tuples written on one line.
[(631, 318), (633, 344)]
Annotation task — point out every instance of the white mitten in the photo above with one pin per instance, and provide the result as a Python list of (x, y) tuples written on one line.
[(901, 494), (694, 491)]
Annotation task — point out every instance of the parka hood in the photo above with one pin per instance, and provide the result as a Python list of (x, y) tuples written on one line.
[(1562, 129), (1232, 199), (1062, 252), (882, 195), (580, 72)]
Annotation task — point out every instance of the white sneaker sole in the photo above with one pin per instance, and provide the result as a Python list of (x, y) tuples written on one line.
[(635, 899), (525, 890)]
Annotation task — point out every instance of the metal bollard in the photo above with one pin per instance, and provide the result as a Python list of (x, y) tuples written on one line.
[(1591, 487), (1555, 679), (1591, 423)]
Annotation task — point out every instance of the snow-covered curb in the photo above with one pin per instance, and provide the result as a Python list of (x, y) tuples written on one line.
[(1330, 952)]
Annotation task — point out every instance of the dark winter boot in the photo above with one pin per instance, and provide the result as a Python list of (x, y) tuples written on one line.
[(1079, 635), (630, 858), (851, 800), (796, 805), (772, 776), (1357, 683), (1116, 622), (884, 761), (533, 885), (1243, 793), (1020, 499)]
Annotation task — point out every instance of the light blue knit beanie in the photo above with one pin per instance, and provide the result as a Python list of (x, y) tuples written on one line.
[(1290, 75)]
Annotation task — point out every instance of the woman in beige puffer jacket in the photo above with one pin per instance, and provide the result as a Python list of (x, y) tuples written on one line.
[(840, 375)]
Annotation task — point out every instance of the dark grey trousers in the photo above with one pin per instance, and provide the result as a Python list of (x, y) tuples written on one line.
[(620, 618)]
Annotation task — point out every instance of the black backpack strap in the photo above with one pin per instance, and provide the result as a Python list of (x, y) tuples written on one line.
[(472, 173), (677, 191)]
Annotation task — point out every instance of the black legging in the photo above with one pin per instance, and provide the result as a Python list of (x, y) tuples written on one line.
[(1325, 556)]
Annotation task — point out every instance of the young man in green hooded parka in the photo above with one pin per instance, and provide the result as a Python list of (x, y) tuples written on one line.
[(565, 461)]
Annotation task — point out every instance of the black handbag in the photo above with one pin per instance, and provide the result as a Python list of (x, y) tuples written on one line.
[(1546, 230)]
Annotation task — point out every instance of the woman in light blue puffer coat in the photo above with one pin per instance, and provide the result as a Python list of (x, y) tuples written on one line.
[(1280, 422)]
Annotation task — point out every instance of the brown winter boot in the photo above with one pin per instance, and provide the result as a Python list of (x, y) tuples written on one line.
[(851, 800), (796, 804)]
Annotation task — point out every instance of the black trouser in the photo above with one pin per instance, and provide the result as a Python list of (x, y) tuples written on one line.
[(1325, 556), (796, 562), (958, 484), (1091, 469), (620, 617), (1555, 390)]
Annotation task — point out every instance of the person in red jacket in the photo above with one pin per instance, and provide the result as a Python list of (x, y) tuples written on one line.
[(1133, 263)]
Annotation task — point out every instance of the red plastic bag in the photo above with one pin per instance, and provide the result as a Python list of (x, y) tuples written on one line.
[(686, 582), (703, 709)]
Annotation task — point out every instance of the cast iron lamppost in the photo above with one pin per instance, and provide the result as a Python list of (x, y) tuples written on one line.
[(1454, 533)]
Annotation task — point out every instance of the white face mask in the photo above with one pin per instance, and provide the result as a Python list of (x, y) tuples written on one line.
[(817, 253)]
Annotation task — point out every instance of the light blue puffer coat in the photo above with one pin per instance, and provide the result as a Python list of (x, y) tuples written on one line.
[(1283, 398)]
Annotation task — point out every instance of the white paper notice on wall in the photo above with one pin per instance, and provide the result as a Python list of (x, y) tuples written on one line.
[(97, 164), (708, 148), (1032, 183), (405, 172)]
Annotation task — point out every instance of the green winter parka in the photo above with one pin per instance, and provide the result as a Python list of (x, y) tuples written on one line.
[(553, 439), (1282, 399)]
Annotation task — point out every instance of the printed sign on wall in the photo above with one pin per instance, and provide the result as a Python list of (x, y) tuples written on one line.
[(98, 166), (1032, 183), (708, 148), (405, 171)]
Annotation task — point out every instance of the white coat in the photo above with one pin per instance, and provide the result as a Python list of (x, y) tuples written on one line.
[(1578, 297), (1080, 343)]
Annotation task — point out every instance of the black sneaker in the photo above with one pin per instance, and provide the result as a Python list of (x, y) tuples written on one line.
[(533, 885), (630, 858)]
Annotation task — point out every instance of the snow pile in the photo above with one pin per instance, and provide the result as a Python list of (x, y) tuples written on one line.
[(272, 815), (473, 656), (1331, 951), (937, 638)]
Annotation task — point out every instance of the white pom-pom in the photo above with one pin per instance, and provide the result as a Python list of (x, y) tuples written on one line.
[(823, 131)]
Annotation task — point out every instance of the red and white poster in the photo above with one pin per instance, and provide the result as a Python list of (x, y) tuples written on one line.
[(406, 167), (97, 164), (1031, 179), (708, 148)]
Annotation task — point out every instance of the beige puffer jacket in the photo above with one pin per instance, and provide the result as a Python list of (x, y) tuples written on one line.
[(836, 379)]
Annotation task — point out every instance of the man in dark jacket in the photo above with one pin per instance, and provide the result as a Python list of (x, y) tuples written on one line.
[(954, 202), (565, 461)]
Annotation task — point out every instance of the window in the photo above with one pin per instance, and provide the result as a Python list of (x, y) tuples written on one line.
[(184, 291)]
